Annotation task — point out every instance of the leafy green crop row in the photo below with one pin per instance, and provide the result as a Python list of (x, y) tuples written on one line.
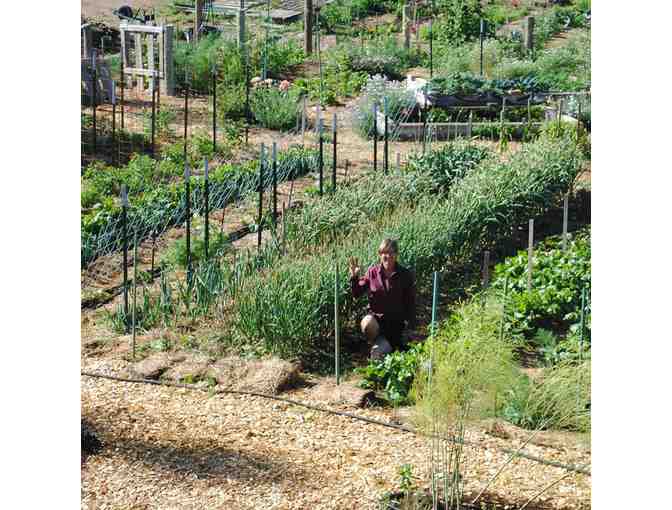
[(548, 316)]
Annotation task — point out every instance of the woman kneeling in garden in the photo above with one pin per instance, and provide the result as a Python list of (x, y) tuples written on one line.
[(391, 291)]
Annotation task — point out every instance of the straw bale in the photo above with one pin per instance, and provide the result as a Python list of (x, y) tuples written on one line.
[(153, 366), (343, 394)]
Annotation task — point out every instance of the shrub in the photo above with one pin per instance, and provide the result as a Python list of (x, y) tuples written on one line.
[(275, 109), (195, 61), (339, 80), (231, 100), (400, 102), (459, 21)]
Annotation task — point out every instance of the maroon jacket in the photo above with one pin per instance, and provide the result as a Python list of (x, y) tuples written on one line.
[(391, 297)]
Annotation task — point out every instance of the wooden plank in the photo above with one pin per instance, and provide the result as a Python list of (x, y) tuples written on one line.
[(143, 72), (198, 18), (139, 63), (162, 63), (149, 29), (124, 49)]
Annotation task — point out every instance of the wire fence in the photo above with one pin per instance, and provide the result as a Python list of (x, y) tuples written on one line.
[(151, 213)]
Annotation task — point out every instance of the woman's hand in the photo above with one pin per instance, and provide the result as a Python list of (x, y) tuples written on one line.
[(354, 267)]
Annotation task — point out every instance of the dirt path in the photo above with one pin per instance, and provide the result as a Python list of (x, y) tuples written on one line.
[(102, 9), (174, 448)]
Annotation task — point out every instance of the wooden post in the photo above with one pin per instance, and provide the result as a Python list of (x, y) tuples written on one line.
[(529, 34), (138, 62), (565, 214), (470, 123), (398, 163), (168, 68), (198, 18), (150, 61), (308, 27), (303, 123), (530, 253), (406, 24), (241, 24), (87, 40)]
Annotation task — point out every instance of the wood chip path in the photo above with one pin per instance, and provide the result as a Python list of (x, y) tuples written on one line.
[(172, 448)]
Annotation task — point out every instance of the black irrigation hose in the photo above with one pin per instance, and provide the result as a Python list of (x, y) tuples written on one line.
[(568, 467)]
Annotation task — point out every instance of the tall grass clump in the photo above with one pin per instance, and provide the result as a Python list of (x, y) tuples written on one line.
[(559, 399), (469, 367), (483, 207)]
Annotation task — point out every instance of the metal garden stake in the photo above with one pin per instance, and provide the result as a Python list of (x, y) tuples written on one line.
[(565, 219), (187, 198), (385, 149), (214, 111), (124, 229), (275, 184), (431, 48), (530, 253), (186, 114), (333, 161), (155, 83), (321, 156), (113, 99), (375, 137), (94, 100), (506, 292), (337, 346), (206, 197), (582, 325), (486, 269), (261, 195), (135, 287), (481, 36), (435, 298), (153, 249)]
